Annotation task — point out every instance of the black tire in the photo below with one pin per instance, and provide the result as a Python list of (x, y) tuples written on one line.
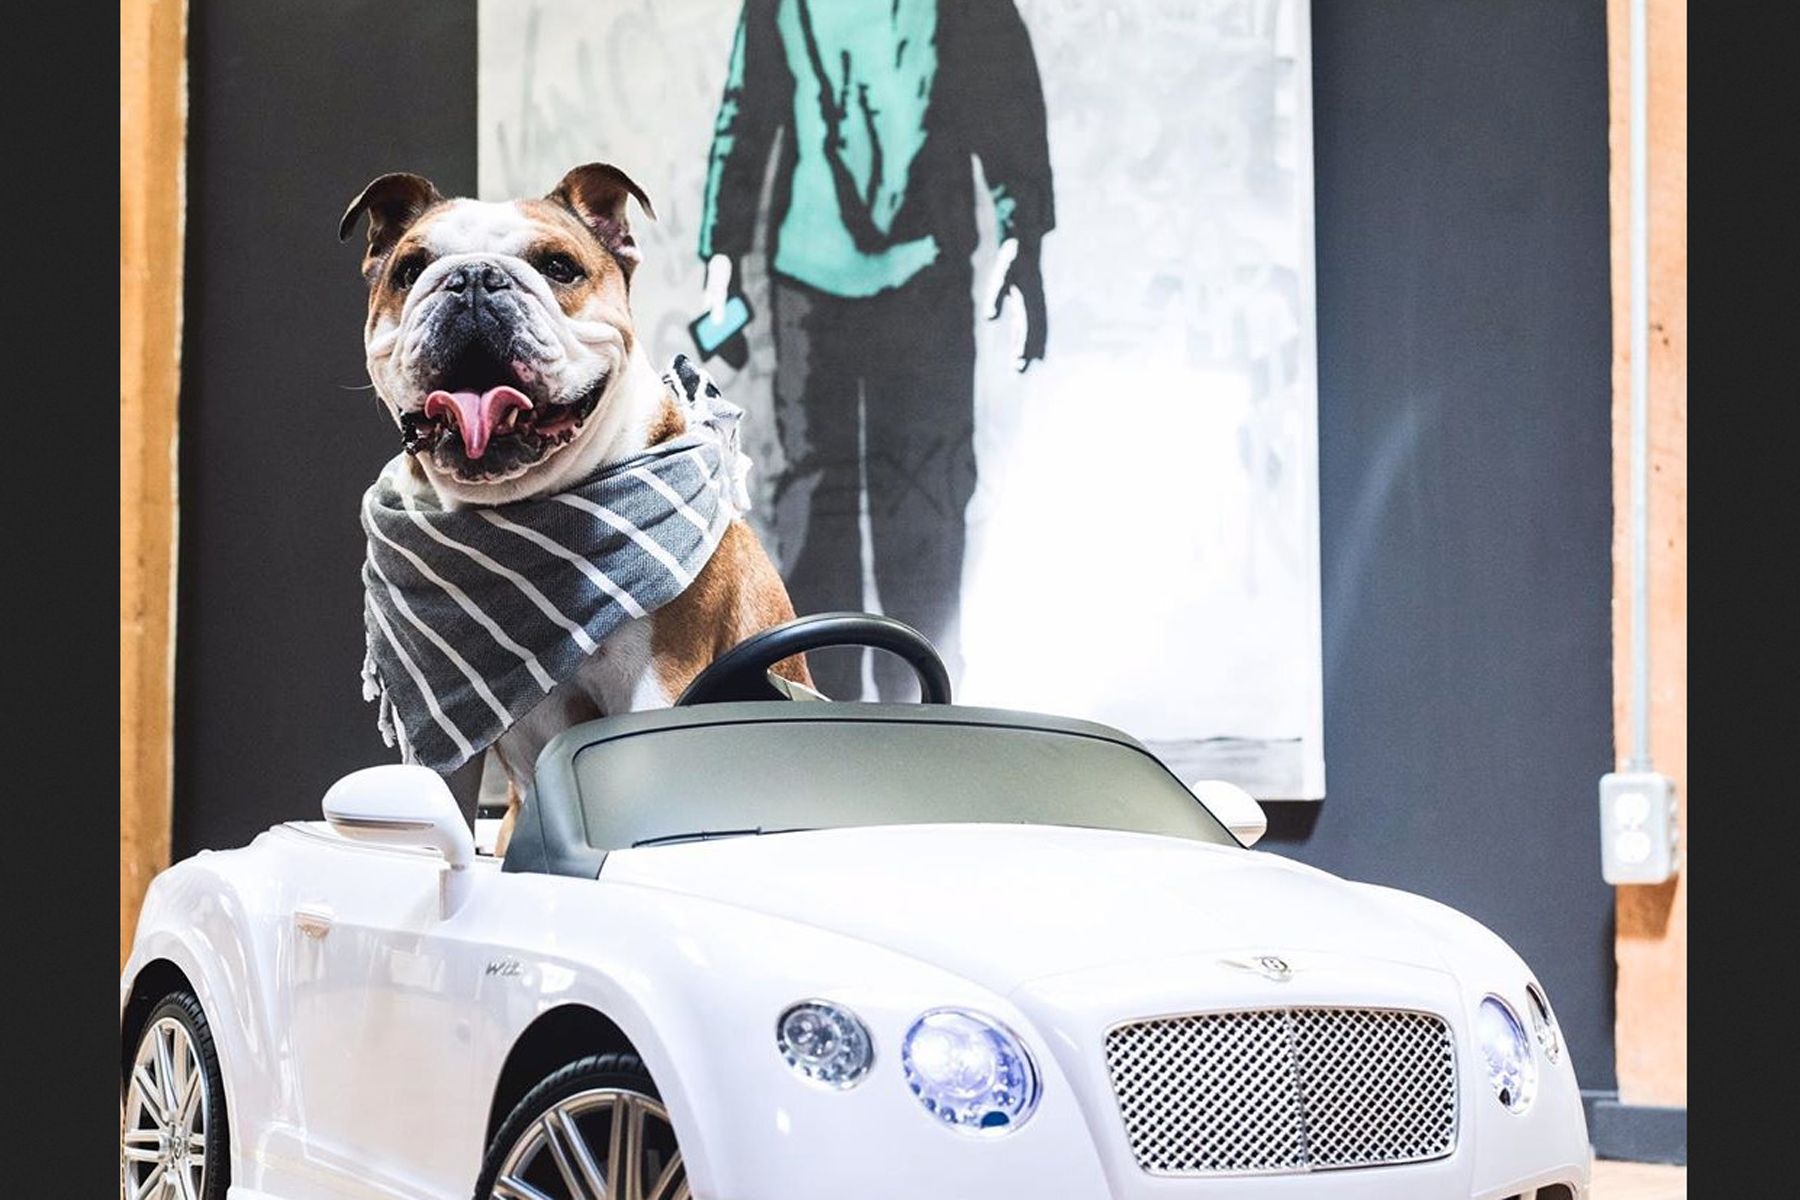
[(620, 1074), (183, 1008)]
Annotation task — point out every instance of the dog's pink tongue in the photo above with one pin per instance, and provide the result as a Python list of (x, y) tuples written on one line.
[(476, 415)]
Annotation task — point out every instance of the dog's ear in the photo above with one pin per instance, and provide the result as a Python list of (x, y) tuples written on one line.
[(393, 202), (596, 194)]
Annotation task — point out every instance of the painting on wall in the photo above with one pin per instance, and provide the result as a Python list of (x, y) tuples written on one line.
[(1018, 297)]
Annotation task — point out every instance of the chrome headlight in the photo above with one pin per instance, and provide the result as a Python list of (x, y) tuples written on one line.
[(1543, 1024), (825, 1043), (969, 1071), (1511, 1067)]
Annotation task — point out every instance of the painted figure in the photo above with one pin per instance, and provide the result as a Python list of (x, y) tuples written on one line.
[(875, 110)]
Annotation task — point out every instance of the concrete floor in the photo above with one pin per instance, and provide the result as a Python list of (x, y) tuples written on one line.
[(1638, 1181)]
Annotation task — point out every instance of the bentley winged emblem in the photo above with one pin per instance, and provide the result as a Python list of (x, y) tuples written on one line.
[(1270, 967)]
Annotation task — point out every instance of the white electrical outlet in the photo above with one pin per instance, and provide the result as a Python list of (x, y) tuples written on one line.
[(1639, 836)]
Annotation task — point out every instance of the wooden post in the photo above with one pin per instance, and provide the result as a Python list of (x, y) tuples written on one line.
[(1650, 1036), (152, 143)]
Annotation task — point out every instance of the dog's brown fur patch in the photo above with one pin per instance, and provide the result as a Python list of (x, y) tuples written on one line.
[(736, 594), (386, 297), (670, 422)]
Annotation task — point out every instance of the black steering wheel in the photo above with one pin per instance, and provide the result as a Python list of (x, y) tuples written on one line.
[(742, 672)]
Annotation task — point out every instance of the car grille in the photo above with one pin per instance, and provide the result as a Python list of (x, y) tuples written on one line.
[(1285, 1090)]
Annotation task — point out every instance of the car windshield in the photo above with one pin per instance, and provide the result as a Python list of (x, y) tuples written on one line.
[(683, 783)]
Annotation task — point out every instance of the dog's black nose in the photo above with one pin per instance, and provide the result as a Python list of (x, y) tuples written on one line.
[(484, 277)]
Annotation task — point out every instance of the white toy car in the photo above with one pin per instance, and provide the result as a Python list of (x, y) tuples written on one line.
[(758, 951)]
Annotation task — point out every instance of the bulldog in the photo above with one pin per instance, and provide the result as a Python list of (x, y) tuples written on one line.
[(500, 340)]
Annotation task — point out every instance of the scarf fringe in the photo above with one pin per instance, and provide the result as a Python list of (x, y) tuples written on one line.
[(392, 730), (708, 407)]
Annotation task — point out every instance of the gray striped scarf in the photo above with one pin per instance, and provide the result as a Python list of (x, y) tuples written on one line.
[(474, 615)]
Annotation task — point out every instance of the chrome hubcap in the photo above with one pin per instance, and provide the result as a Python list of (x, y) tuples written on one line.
[(162, 1139), (601, 1144)]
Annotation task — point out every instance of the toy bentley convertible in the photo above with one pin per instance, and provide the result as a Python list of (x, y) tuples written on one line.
[(740, 950)]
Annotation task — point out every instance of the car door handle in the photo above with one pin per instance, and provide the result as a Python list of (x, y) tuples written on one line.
[(313, 920)]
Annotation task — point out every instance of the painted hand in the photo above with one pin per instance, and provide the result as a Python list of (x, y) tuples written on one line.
[(1017, 273), (718, 285)]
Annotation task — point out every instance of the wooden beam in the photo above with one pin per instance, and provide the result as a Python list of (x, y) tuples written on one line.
[(1650, 1035), (152, 143)]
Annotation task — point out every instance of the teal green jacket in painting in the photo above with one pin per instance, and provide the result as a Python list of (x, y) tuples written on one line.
[(877, 106)]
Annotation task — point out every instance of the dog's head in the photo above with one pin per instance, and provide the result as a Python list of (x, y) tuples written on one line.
[(499, 333)]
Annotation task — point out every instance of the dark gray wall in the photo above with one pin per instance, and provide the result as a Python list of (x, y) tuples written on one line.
[(295, 105), (1465, 473), (1463, 423)]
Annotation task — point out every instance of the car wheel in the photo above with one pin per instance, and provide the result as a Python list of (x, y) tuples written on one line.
[(594, 1130), (173, 1139)]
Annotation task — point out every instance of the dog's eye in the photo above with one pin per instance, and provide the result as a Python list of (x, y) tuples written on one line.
[(562, 269), (408, 270)]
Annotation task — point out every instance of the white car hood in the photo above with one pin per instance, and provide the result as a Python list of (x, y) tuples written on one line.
[(1006, 904)]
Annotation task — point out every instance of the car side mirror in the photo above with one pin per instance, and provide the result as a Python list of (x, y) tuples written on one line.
[(1235, 808), (398, 804)]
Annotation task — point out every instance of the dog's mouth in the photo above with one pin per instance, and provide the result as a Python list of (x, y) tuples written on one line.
[(488, 419)]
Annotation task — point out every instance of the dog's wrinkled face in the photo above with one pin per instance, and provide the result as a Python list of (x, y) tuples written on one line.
[(496, 331)]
